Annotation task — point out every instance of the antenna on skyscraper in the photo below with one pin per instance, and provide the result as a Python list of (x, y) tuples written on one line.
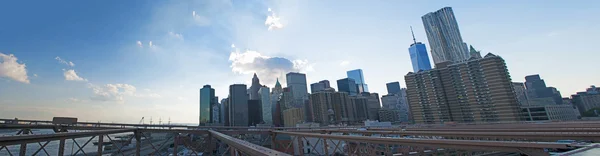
[(413, 34)]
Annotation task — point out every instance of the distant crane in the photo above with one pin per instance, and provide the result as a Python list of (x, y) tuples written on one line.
[(141, 121)]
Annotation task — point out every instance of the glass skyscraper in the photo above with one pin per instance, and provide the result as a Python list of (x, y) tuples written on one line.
[(207, 101), (359, 79), (238, 105), (347, 85), (444, 36), (393, 88), (418, 55)]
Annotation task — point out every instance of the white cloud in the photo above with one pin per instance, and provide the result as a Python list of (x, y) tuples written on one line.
[(68, 63), (181, 98), (175, 35), (35, 75), (71, 75), (344, 63), (117, 92), (74, 100), (10, 68), (111, 92), (200, 19), (139, 43), (150, 44), (267, 68), (273, 21)]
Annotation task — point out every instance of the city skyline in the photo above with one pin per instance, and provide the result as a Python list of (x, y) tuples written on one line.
[(161, 58)]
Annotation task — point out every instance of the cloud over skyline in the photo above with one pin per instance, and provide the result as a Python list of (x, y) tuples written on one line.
[(10, 68), (267, 68)]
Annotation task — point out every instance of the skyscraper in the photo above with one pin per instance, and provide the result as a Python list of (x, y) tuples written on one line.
[(296, 82), (224, 111), (418, 55), (359, 79), (319, 86), (373, 105), (475, 91), (537, 89), (393, 87), (267, 105), (347, 85), (253, 90), (207, 101), (359, 103), (521, 93), (328, 107), (238, 105), (254, 112), (444, 36)]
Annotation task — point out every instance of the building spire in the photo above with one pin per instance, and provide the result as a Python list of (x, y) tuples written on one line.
[(413, 35)]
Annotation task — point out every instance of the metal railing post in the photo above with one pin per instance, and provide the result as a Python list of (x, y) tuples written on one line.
[(100, 144), (175, 142), (61, 147), (138, 142), (23, 149)]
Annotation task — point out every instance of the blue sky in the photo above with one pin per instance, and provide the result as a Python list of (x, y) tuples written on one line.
[(186, 44)]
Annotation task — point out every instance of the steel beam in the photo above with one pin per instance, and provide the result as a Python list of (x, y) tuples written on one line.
[(244, 146), (440, 143), (14, 140)]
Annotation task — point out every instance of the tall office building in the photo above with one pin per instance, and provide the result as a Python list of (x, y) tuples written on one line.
[(476, 91), (267, 105), (254, 112), (330, 107), (396, 102), (347, 85), (373, 105), (225, 111), (521, 93), (359, 79), (207, 102), (393, 87), (292, 116), (319, 86), (253, 90), (276, 95), (444, 37), (296, 83), (359, 103), (216, 113), (418, 55), (537, 90), (238, 105)]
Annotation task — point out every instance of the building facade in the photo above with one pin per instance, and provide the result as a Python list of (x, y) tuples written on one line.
[(330, 107), (396, 102), (254, 112), (444, 37), (418, 55), (359, 103), (292, 116), (207, 101), (347, 85), (475, 91), (266, 104), (550, 112), (238, 105), (537, 89), (393, 87), (373, 105), (225, 112), (389, 115), (521, 93), (253, 90), (587, 100), (359, 80), (296, 83)]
